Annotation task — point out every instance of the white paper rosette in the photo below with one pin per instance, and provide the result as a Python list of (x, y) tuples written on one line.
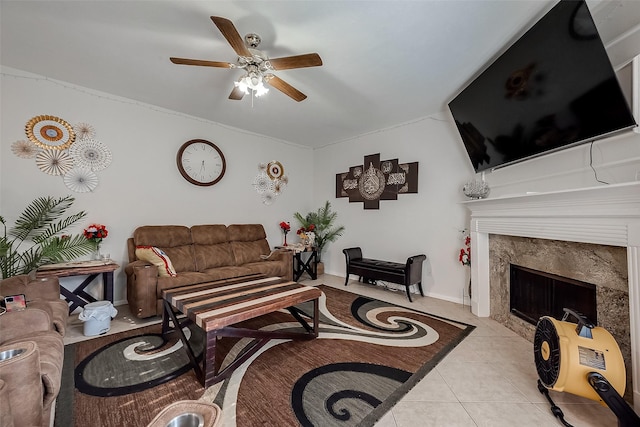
[(54, 162), (24, 149), (91, 154), (81, 180)]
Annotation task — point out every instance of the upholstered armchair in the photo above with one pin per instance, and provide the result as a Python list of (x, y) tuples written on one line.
[(31, 351)]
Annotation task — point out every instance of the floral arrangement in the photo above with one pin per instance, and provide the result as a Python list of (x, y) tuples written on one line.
[(285, 226), (308, 229), (307, 235), (465, 253), (95, 233)]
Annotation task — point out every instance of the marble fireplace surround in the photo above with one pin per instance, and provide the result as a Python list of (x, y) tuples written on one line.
[(605, 215)]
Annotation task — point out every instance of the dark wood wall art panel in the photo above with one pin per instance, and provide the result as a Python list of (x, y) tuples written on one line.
[(377, 180)]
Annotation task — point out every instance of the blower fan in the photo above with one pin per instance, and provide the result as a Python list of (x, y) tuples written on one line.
[(256, 64), (584, 360)]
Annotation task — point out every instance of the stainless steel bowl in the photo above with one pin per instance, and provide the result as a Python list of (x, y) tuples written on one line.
[(188, 419)]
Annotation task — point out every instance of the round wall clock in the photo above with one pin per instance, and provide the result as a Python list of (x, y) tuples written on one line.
[(201, 162)]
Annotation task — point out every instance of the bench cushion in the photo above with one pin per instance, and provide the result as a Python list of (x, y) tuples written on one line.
[(375, 264)]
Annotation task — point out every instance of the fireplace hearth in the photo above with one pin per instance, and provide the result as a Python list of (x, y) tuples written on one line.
[(602, 216), (534, 294)]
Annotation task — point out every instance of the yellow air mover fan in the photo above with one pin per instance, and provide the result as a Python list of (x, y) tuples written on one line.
[(584, 360)]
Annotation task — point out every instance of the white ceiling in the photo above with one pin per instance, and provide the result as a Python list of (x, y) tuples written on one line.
[(385, 62)]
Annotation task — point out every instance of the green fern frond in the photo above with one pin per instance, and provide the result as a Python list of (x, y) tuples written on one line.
[(39, 224)]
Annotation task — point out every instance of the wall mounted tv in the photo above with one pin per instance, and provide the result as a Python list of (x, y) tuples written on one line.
[(553, 88)]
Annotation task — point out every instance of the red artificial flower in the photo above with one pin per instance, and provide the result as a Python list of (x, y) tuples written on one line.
[(465, 253), (308, 229), (285, 226), (95, 232)]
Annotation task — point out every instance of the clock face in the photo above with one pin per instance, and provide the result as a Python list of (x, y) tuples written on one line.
[(201, 162)]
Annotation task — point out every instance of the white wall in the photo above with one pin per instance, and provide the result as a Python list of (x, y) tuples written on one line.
[(142, 185), (428, 222)]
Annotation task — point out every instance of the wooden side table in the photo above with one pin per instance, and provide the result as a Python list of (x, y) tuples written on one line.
[(79, 297)]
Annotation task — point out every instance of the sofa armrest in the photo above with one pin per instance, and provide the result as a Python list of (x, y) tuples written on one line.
[(21, 374), (16, 324), (45, 288), (286, 256), (142, 283), (58, 311)]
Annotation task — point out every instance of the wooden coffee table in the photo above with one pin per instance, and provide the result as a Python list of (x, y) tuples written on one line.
[(215, 307)]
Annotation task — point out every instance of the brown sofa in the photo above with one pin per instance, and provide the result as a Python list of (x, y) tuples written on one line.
[(199, 254), (30, 380)]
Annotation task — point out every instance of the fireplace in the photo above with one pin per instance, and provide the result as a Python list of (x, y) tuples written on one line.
[(533, 294), (607, 215)]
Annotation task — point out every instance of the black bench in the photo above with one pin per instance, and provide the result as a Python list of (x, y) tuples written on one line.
[(373, 269)]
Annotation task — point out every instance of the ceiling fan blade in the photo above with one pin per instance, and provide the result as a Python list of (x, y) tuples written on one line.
[(185, 61), (236, 93), (230, 33), (286, 88), (298, 61)]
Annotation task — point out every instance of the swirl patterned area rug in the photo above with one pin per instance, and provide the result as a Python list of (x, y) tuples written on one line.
[(368, 355)]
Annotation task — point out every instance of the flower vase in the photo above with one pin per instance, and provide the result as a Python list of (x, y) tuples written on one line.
[(96, 253), (285, 240)]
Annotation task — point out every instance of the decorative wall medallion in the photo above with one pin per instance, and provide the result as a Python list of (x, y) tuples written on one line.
[(50, 132), (54, 162), (377, 180), (275, 170), (270, 181), (84, 131), (24, 149), (91, 154), (81, 180)]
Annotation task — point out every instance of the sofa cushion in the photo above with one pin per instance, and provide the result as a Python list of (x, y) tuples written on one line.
[(157, 257), (211, 246), (248, 242), (174, 240)]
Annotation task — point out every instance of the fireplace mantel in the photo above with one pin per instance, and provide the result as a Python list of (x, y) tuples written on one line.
[(606, 215)]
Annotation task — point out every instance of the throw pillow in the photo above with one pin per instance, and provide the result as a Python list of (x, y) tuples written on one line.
[(157, 257)]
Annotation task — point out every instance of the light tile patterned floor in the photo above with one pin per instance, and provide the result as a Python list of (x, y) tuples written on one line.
[(489, 380)]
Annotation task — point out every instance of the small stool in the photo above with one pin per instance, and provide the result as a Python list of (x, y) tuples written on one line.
[(187, 413)]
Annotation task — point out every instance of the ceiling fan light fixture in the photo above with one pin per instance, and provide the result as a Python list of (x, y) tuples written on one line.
[(252, 81)]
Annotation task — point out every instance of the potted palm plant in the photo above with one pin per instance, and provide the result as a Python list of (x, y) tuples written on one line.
[(39, 229), (324, 228)]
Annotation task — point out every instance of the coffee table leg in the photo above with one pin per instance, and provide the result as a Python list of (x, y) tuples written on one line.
[(209, 371), (185, 342), (312, 330)]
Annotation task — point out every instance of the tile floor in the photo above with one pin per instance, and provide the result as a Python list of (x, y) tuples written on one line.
[(488, 380)]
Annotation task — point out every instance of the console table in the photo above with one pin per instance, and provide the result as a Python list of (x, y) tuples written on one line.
[(79, 297)]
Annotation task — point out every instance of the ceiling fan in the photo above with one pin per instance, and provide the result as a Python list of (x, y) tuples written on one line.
[(257, 66)]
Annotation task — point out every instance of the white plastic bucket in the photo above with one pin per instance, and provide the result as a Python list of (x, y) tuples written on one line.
[(97, 317)]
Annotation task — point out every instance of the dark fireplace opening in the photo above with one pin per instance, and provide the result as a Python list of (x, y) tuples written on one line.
[(535, 294)]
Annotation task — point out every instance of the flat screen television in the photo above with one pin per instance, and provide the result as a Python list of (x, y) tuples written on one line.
[(553, 88)]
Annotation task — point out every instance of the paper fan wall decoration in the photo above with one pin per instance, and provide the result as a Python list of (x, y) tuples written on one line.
[(81, 180), (270, 181), (54, 162), (50, 132), (64, 150), (91, 154), (84, 131), (24, 149)]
